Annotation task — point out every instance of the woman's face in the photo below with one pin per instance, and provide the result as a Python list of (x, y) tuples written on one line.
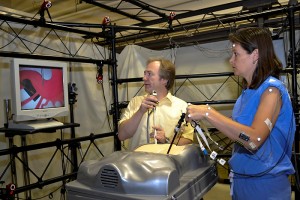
[(242, 62)]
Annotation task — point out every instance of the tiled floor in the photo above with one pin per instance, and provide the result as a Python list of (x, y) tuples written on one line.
[(220, 191)]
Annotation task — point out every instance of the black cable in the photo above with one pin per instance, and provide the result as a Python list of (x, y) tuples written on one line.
[(106, 109)]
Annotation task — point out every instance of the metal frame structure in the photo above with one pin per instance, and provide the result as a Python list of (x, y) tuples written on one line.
[(206, 26), (72, 143), (280, 17), (59, 148)]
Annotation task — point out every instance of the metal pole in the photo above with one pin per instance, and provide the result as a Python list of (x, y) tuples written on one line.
[(291, 13), (73, 146), (116, 117)]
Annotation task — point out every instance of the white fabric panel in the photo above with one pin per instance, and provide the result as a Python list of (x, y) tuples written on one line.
[(93, 99), (206, 59), (209, 59), (201, 59)]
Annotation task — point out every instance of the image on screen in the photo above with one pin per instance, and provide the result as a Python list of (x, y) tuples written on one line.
[(41, 87)]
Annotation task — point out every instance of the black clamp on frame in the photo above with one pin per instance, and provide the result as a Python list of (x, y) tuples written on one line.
[(44, 7)]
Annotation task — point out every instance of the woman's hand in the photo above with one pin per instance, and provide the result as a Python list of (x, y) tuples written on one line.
[(196, 112)]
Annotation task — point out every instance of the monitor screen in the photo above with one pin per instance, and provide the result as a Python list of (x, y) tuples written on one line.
[(39, 89)]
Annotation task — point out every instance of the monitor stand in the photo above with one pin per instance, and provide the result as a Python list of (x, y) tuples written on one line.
[(35, 124)]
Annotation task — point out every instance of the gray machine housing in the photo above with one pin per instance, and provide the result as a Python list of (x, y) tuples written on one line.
[(142, 175)]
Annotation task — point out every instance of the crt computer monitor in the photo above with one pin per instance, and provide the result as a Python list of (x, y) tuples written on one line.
[(39, 89)]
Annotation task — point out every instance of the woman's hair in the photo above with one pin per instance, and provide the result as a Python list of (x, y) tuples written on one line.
[(258, 38), (166, 70)]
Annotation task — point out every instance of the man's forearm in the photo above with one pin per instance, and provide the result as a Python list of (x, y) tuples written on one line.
[(184, 141), (128, 127)]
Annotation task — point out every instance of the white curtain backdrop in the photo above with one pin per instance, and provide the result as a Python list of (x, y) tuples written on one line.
[(200, 59)]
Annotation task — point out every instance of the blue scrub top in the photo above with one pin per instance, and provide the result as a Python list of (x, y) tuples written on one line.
[(273, 157)]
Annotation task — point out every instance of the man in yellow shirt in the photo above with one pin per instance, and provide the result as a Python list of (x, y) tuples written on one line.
[(154, 116)]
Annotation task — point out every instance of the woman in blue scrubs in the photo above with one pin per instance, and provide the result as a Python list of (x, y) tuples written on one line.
[(262, 123)]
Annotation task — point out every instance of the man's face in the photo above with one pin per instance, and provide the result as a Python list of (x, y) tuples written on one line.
[(152, 80)]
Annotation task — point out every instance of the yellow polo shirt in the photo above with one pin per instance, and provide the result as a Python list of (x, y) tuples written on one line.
[(167, 114)]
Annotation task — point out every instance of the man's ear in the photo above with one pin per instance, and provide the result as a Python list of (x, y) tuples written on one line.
[(164, 82)]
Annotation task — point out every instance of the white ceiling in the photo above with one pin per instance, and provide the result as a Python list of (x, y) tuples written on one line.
[(78, 11)]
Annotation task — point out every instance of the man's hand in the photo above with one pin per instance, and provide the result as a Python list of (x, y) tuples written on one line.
[(149, 102), (160, 134)]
